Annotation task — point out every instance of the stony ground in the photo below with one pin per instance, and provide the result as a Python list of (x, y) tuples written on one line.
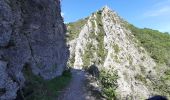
[(76, 90)]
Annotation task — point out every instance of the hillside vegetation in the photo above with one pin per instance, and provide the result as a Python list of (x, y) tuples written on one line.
[(157, 45), (155, 42), (74, 28)]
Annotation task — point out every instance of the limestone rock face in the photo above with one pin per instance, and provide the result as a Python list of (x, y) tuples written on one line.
[(106, 42), (125, 56), (31, 33)]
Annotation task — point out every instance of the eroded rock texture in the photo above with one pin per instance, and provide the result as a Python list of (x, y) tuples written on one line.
[(31, 33), (104, 40)]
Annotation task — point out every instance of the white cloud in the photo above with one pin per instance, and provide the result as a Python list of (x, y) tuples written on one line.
[(158, 12), (161, 8)]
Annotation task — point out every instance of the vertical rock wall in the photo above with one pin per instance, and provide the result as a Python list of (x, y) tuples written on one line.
[(32, 34)]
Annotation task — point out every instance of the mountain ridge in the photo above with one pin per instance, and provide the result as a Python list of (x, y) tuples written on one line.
[(105, 40)]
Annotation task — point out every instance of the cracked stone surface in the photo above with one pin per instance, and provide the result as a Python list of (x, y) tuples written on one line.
[(31, 32)]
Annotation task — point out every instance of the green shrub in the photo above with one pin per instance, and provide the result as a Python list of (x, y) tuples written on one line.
[(167, 75), (116, 48), (108, 80), (130, 59), (88, 55), (141, 78), (71, 62), (116, 59), (162, 85)]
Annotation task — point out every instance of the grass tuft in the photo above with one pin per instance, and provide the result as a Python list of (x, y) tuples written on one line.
[(36, 88)]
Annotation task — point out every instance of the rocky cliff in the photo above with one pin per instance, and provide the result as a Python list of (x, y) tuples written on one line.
[(104, 40), (32, 34)]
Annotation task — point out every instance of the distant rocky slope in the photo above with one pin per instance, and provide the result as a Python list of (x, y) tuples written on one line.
[(32, 34), (104, 39)]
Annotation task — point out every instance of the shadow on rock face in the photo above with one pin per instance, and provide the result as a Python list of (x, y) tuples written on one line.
[(158, 97), (93, 70), (2, 91)]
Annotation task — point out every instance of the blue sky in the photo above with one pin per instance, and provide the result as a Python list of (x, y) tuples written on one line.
[(153, 14)]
